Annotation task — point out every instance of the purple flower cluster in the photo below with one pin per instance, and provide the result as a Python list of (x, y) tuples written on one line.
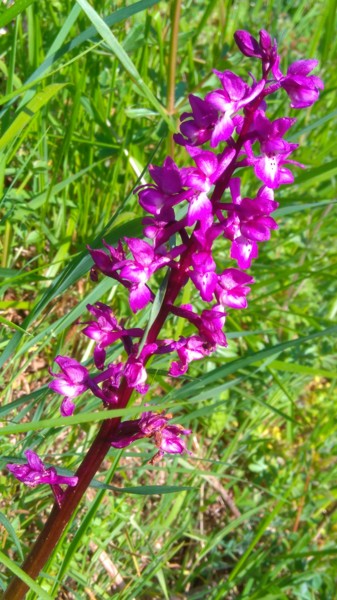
[(189, 208)]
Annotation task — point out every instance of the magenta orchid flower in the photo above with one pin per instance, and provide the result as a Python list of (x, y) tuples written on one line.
[(249, 222), (197, 126), (235, 95), (35, 473), (302, 88), (107, 263), (71, 382), (160, 197), (135, 372), (201, 178), (269, 166), (166, 437), (188, 350), (233, 287), (204, 274), (74, 380), (105, 331), (138, 271), (209, 323)]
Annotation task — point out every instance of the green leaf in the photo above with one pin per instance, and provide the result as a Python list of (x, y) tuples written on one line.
[(12, 566), (294, 208), (56, 52), (28, 112), (314, 125), (10, 13), (7, 525), (232, 367), (144, 490), (13, 326), (291, 367), (73, 420), (317, 174), (124, 59)]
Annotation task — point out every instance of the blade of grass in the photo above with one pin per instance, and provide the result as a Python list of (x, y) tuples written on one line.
[(73, 420), (13, 11), (232, 367), (144, 490), (317, 174), (13, 326), (264, 525), (9, 527), (294, 208), (10, 564), (302, 369), (124, 59), (89, 34), (29, 112)]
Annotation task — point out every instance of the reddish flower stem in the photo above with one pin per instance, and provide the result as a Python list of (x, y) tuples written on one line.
[(60, 516)]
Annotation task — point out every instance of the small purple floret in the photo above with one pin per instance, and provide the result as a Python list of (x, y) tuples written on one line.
[(34, 473), (265, 49), (71, 382), (166, 437), (197, 126), (189, 349), (138, 271), (269, 166), (105, 331), (302, 88), (235, 95), (232, 288)]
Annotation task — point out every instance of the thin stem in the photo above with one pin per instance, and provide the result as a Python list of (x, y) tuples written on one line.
[(171, 81), (7, 241)]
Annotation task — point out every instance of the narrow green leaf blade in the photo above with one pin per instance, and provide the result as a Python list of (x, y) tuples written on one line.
[(12, 566), (13, 11), (29, 111), (144, 490), (13, 326), (7, 525), (124, 59), (318, 174)]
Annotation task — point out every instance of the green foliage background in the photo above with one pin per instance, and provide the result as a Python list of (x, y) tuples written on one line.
[(85, 107)]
